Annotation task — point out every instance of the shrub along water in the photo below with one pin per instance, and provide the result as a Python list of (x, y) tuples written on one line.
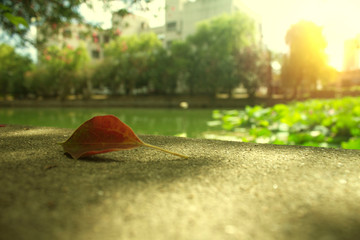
[(320, 123)]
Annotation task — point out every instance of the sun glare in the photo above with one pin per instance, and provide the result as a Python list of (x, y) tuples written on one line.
[(339, 20)]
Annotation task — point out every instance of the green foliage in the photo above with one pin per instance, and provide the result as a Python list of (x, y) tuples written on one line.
[(251, 68), (163, 73), (353, 143), (17, 21), (187, 67), (130, 59), (60, 71), (225, 54), (221, 55), (217, 58), (324, 123), (12, 69), (38, 12)]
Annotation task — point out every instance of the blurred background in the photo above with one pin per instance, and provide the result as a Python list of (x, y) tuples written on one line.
[(280, 72)]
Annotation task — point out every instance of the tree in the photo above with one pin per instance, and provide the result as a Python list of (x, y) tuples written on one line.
[(163, 75), (251, 68), (59, 72), (306, 59), (184, 67), (12, 69), (217, 43), (36, 12), (104, 75), (130, 58), (14, 20)]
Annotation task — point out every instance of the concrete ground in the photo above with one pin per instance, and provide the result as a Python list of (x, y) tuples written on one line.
[(225, 190)]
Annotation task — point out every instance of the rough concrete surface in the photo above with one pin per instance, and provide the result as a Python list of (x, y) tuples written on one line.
[(225, 190)]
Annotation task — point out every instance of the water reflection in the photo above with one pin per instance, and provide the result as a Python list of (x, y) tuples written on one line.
[(171, 122)]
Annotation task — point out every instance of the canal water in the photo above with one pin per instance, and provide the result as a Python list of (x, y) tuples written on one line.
[(169, 122)]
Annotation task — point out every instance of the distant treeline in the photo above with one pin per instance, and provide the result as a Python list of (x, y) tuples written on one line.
[(224, 52)]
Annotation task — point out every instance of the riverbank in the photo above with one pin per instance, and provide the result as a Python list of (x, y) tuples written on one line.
[(147, 102), (225, 190)]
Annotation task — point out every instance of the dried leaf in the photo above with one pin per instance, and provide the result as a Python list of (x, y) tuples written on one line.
[(103, 134)]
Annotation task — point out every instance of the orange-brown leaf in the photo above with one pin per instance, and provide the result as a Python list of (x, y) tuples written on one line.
[(103, 134)]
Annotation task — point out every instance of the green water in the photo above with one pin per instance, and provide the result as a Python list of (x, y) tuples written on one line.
[(169, 122)]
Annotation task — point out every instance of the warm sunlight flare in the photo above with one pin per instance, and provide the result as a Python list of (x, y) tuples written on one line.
[(339, 19)]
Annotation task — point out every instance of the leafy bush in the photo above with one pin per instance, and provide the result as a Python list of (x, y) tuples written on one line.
[(12, 69), (320, 123), (59, 72)]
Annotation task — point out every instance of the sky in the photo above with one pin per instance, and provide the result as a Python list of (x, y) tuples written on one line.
[(339, 18)]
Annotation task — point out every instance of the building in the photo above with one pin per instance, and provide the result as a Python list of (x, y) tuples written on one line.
[(129, 24), (182, 16), (94, 38)]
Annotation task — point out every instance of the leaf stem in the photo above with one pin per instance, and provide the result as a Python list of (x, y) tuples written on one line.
[(164, 150)]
